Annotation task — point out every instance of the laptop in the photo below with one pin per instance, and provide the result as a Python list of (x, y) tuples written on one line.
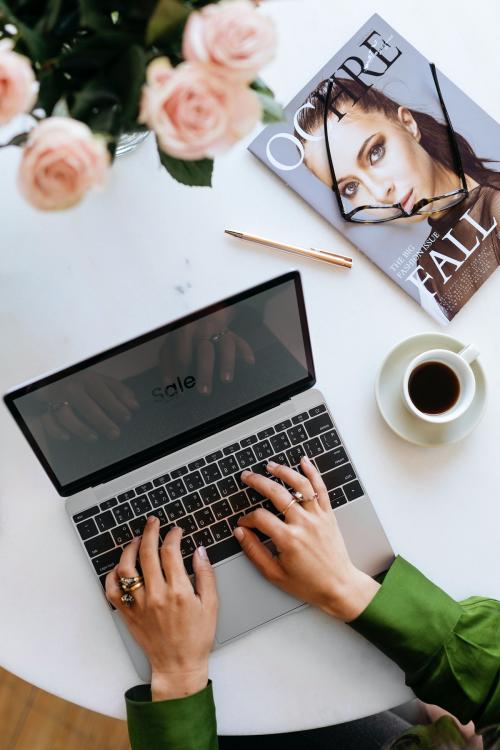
[(165, 423)]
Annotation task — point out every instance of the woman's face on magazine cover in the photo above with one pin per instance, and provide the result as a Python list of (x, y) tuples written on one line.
[(377, 160)]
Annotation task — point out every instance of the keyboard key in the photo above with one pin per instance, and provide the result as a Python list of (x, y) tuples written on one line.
[(221, 531), (140, 505), (280, 458), (319, 424), (239, 502), (193, 481), (265, 433), (160, 514), (174, 510), (337, 498), (353, 490), (179, 472), (260, 469), (254, 496), (245, 458), (330, 440), (283, 425), (313, 447), (142, 488), (227, 486), (223, 550), (161, 480), (295, 454), (187, 524), (240, 485), (105, 521), (105, 563), (187, 546), (317, 410), (263, 450), (250, 440), (175, 489), (99, 544), (137, 525), (86, 529), (204, 517), (196, 464), (203, 537), (122, 534), (123, 513), (280, 442), (269, 505), (158, 496), (300, 418), (231, 449), (209, 494), (228, 466), (109, 503), (213, 456), (222, 510), (211, 473), (297, 434), (339, 476), (193, 502), (128, 495), (233, 522), (84, 514), (330, 460)]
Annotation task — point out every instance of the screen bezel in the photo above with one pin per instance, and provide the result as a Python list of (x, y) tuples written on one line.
[(189, 436)]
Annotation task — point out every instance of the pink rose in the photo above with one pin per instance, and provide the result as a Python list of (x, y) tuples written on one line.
[(194, 113), (61, 161), (233, 36), (17, 83)]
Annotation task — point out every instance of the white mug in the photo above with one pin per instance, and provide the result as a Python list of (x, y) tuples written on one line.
[(460, 364)]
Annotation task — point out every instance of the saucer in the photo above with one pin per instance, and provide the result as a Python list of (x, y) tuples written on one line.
[(390, 400)]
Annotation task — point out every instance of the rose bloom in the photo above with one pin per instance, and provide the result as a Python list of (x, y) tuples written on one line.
[(61, 161), (17, 83), (232, 36), (194, 113)]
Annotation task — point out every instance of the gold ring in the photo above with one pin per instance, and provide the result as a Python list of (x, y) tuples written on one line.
[(285, 510), (134, 587), (127, 599), (127, 581)]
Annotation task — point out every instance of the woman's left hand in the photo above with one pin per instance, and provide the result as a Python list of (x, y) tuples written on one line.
[(171, 621)]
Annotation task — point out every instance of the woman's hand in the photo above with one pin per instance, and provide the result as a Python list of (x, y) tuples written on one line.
[(172, 622), (312, 563)]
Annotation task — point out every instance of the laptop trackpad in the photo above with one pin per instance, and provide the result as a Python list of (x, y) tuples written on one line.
[(246, 599)]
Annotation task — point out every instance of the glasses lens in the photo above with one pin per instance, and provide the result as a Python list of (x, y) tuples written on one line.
[(376, 214), (441, 204)]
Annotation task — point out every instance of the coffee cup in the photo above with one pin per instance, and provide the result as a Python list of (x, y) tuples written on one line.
[(439, 385)]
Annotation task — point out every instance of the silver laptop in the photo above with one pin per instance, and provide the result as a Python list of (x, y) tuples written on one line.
[(164, 424)]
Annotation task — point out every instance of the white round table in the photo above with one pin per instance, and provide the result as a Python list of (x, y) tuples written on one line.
[(147, 250)]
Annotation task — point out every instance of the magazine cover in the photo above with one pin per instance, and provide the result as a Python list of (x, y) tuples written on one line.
[(408, 156)]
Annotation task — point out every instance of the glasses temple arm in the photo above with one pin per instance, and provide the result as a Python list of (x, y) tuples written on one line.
[(453, 137)]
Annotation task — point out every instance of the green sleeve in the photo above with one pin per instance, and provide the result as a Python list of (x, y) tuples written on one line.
[(180, 724), (449, 651)]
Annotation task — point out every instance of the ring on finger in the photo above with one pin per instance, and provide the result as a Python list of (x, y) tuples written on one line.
[(299, 497), (134, 587), (126, 582), (127, 599), (287, 508)]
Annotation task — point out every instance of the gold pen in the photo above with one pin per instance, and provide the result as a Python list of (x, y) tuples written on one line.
[(324, 255)]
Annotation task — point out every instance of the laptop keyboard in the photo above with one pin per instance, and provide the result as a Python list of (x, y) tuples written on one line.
[(207, 497)]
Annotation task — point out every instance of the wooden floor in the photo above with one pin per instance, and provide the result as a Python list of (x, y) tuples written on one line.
[(31, 719)]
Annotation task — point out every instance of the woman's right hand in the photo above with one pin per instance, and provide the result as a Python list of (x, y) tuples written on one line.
[(312, 562)]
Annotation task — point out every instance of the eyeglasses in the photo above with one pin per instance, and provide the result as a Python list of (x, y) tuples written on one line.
[(425, 206)]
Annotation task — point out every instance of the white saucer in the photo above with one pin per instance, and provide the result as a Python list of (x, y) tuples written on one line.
[(390, 400)]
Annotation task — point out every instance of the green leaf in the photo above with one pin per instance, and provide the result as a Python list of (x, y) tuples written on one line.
[(29, 39), (261, 88), (188, 172), (167, 21), (94, 16), (271, 110), (52, 11)]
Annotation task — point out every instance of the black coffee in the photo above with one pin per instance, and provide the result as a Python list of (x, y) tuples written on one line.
[(433, 387)]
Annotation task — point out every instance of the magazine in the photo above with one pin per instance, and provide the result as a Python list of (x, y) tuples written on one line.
[(393, 153)]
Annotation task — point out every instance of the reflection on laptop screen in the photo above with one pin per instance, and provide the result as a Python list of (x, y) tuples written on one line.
[(168, 383)]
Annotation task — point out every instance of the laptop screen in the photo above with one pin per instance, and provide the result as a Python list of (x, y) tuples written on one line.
[(155, 394)]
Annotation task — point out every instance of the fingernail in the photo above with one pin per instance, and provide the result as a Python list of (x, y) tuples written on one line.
[(151, 520), (202, 552), (245, 473), (204, 388), (227, 377), (272, 464), (239, 533), (306, 460)]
